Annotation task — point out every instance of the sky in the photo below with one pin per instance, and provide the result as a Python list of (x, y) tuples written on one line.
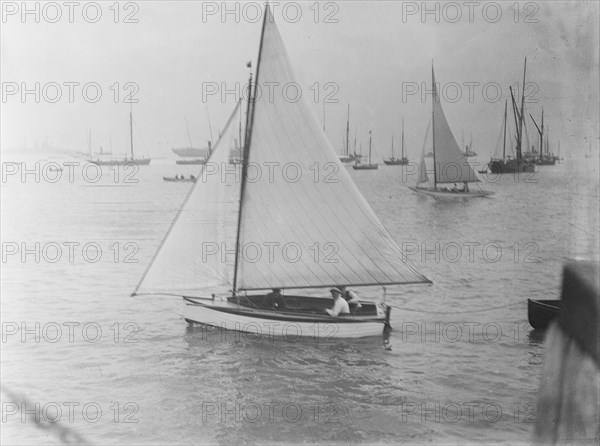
[(375, 56)]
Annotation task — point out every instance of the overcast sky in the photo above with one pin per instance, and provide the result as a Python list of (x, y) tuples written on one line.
[(369, 52)]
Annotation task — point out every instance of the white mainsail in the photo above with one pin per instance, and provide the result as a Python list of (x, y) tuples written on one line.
[(451, 165), (307, 225), (192, 255)]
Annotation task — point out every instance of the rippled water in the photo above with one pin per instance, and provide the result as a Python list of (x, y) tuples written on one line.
[(464, 366)]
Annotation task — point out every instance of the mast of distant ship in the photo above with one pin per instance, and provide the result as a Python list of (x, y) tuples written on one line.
[(504, 143), (402, 138), (131, 128), (520, 141)]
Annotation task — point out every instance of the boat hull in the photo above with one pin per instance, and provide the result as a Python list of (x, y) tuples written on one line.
[(542, 312), (179, 180), (194, 161), (438, 193), (366, 167), (281, 324), (191, 152), (511, 166), (396, 162), (124, 162)]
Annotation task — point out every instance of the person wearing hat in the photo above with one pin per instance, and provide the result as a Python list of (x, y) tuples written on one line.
[(352, 299), (340, 306), (274, 300)]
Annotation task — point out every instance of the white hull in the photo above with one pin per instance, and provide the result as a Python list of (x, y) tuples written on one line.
[(269, 324), (438, 193)]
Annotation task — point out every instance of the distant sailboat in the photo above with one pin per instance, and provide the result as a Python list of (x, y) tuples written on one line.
[(306, 213), (346, 156), (520, 163), (126, 160), (393, 161), (469, 152), (196, 159), (370, 165), (449, 164)]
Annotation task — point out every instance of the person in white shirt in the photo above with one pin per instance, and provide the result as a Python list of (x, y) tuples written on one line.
[(340, 306)]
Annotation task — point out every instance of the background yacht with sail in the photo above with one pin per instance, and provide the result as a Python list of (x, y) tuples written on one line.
[(450, 165)]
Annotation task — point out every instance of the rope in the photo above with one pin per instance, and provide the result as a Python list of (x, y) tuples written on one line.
[(456, 312)]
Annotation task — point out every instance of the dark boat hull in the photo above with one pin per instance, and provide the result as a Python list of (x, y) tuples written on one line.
[(365, 166), (441, 193), (542, 312), (511, 166), (396, 162), (123, 162), (179, 180)]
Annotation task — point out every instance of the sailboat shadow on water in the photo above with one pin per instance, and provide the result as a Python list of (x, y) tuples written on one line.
[(335, 237), (450, 166)]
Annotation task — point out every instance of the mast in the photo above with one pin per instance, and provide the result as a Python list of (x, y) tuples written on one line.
[(188, 132), (209, 127), (402, 138), (433, 125), (247, 142), (354, 140), (90, 142), (131, 129), (348, 130), (542, 138), (370, 138), (392, 146), (519, 143), (504, 143), (462, 140)]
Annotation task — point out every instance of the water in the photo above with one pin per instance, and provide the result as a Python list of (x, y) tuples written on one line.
[(464, 364)]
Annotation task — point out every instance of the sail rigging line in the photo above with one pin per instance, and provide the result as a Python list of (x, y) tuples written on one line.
[(423, 177), (458, 311), (433, 124), (182, 207), (248, 143)]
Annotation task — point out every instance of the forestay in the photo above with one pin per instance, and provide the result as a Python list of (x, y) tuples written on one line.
[(451, 166), (191, 257), (306, 225)]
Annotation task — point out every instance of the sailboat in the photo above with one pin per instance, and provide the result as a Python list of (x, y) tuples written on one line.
[(197, 256), (545, 158), (520, 163), (370, 165), (393, 161), (346, 156), (469, 149), (450, 165), (195, 159), (126, 160)]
